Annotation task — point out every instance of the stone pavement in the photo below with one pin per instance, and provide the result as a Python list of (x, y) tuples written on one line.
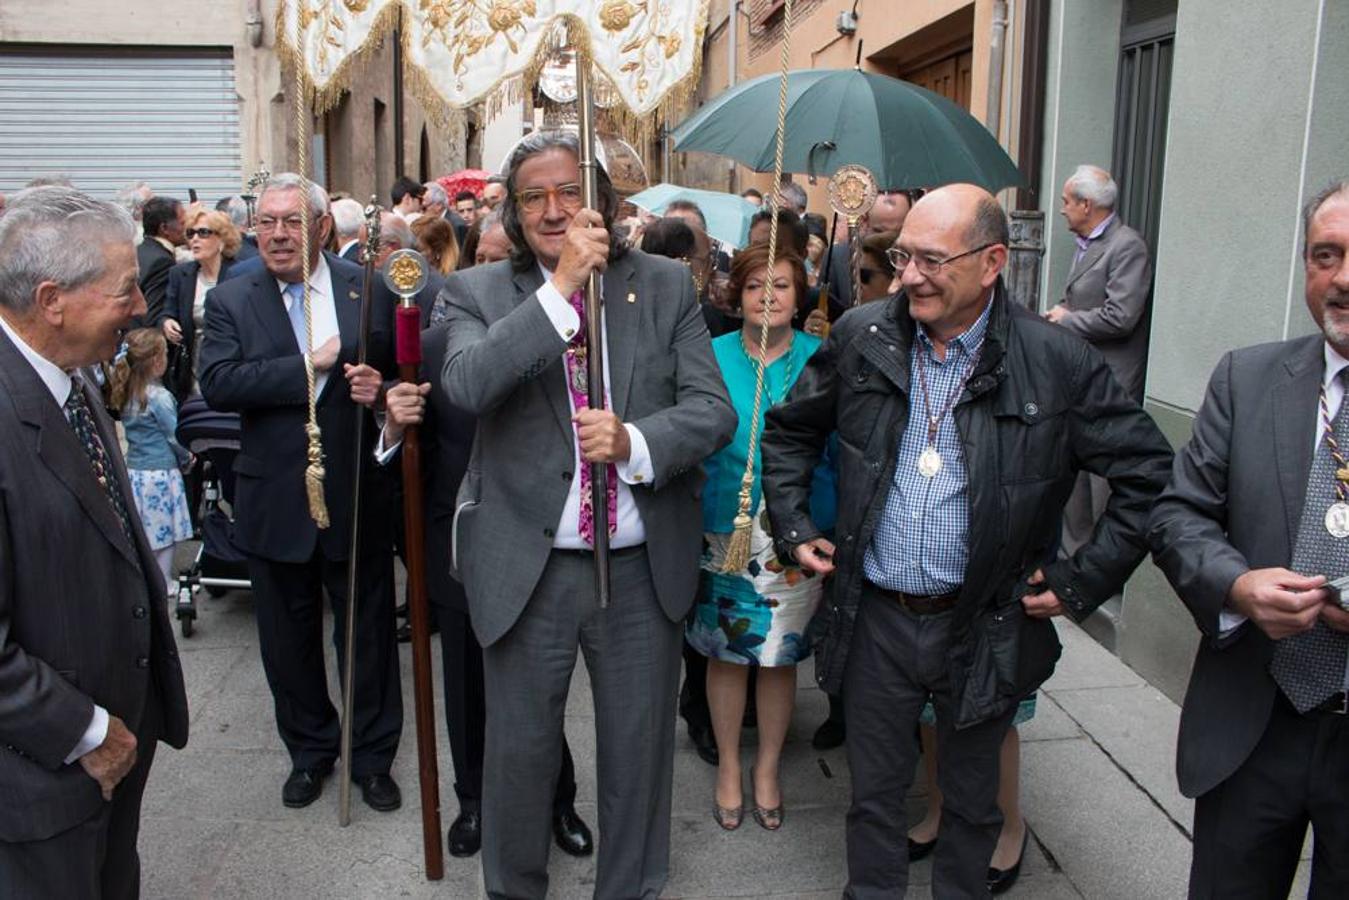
[(1098, 792)]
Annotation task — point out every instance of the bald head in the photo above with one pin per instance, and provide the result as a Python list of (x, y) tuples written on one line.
[(888, 214), (968, 210)]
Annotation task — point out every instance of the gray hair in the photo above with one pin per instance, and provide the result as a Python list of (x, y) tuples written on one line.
[(1314, 206), (56, 234), (133, 197), (522, 257), (50, 181), (435, 194), (234, 207), (1093, 184), (348, 217), (792, 193), (289, 181), (393, 227), (989, 225), (490, 221)]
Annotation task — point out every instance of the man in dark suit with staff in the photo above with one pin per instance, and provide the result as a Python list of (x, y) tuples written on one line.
[(251, 362), (89, 673)]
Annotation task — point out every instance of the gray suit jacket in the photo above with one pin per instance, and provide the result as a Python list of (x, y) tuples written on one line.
[(1107, 300), (79, 623), (1234, 504), (504, 364)]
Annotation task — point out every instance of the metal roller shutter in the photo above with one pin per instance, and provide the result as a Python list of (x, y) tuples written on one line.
[(108, 117)]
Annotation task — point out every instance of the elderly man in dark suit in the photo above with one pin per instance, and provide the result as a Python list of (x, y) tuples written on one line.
[(165, 221), (525, 531), (252, 361), (1250, 528), (1104, 302), (89, 674)]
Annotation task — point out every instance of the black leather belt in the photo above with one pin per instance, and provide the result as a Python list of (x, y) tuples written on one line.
[(919, 605), (1337, 704), (621, 553)]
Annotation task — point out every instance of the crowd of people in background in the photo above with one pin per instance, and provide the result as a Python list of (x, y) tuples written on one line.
[(902, 492)]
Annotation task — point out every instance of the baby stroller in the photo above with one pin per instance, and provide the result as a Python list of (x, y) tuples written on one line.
[(213, 437)]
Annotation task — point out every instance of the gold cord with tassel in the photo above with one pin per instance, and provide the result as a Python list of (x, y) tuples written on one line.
[(739, 548), (314, 472)]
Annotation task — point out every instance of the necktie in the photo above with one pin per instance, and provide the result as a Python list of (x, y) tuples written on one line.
[(82, 421), (296, 294), (1310, 667), (577, 380)]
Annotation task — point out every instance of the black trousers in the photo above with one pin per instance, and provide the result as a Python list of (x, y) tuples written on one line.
[(1249, 830), (466, 713), (288, 603), (97, 859), (896, 662)]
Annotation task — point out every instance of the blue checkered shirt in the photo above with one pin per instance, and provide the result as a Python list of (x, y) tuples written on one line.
[(920, 545)]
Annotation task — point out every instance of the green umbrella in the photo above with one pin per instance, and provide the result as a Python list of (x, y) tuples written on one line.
[(907, 136)]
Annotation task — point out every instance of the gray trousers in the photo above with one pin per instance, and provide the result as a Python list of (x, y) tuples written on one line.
[(1085, 506), (897, 660), (632, 654)]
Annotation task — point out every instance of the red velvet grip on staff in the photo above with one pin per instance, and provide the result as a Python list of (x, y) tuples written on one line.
[(408, 335)]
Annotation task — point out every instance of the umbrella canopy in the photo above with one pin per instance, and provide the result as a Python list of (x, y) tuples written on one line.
[(907, 136), (727, 215), (465, 180)]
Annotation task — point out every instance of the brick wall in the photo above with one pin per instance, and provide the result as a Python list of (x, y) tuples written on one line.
[(762, 40)]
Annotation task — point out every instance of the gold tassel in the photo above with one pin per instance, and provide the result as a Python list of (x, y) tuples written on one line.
[(739, 547), (313, 478)]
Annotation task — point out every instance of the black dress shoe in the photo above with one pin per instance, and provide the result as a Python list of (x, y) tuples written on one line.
[(465, 835), (380, 792), (829, 735), (303, 787), (705, 743), (404, 632), (922, 850), (1000, 880), (571, 834)]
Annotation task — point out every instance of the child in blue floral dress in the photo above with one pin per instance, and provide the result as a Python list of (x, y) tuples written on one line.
[(154, 456)]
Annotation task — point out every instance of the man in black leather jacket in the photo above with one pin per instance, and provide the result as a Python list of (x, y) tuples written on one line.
[(962, 424)]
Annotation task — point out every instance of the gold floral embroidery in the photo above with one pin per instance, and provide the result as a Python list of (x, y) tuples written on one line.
[(616, 15)]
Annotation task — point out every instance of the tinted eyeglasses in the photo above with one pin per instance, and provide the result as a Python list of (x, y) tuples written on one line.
[(199, 232), (535, 200)]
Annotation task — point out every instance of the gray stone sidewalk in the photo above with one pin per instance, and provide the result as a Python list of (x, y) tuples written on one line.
[(1098, 792)]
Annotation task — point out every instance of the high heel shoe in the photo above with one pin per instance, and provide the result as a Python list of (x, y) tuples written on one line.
[(729, 818), (1000, 880), (768, 819)]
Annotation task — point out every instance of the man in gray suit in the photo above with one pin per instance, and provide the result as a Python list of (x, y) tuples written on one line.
[(89, 675), (524, 529), (1251, 526), (1105, 301)]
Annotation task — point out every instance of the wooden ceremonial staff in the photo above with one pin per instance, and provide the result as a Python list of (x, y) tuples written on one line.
[(599, 472), (409, 355), (353, 584)]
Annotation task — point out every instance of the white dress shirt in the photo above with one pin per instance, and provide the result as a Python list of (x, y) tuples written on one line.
[(58, 381), (322, 308), (1229, 620)]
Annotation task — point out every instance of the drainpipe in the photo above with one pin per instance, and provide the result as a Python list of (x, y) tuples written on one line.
[(253, 23), (995, 66)]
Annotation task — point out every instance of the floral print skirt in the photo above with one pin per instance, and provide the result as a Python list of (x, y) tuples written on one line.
[(757, 616), (161, 500)]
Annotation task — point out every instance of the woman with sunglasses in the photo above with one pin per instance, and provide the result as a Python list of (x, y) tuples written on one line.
[(213, 240)]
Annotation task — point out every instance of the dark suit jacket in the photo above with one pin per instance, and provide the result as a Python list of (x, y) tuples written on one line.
[(248, 248), (80, 624), (353, 253), (182, 293), (447, 441), (1107, 299), (154, 262), (1234, 503), (250, 364), (504, 363)]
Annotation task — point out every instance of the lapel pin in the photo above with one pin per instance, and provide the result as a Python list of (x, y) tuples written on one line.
[(632, 298), (353, 295)]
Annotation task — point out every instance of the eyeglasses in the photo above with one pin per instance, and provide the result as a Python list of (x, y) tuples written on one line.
[(199, 232), (290, 223), (928, 264), (535, 200)]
